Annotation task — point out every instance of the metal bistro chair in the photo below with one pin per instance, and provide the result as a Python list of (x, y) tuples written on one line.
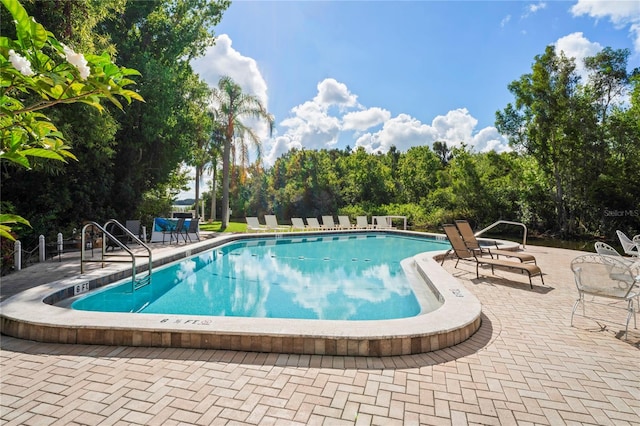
[(629, 245), (193, 228), (606, 276), (168, 228)]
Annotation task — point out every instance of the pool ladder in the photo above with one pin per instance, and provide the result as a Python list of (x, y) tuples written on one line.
[(137, 282)]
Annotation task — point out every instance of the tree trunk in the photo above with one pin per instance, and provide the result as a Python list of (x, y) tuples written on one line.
[(225, 182), (213, 193), (197, 189), (560, 207)]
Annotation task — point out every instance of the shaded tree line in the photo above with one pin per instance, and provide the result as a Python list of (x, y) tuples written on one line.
[(129, 162)]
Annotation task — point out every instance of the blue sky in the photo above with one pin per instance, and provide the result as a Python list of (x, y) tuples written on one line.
[(404, 73)]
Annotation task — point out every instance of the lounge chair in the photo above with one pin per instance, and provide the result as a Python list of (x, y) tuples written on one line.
[(272, 223), (472, 243), (297, 224), (328, 223), (382, 222), (253, 225), (606, 276), (312, 223), (462, 252), (628, 245), (362, 222), (344, 222)]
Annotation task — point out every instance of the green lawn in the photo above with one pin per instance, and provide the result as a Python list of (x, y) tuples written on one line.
[(232, 227)]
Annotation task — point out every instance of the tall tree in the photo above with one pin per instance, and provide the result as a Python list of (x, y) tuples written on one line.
[(160, 37), (442, 151), (198, 119), (418, 173), (214, 154), (608, 78), (232, 106), (541, 121), (365, 177)]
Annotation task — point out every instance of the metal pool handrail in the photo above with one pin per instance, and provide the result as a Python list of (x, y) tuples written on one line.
[(508, 222), (135, 284)]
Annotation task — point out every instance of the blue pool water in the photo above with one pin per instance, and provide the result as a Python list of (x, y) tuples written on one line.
[(346, 277)]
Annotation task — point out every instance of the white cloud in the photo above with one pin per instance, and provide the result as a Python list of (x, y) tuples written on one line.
[(533, 8), (577, 46), (505, 21), (402, 132), (312, 127), (331, 92), (488, 139), (363, 120), (334, 112), (280, 145), (454, 128), (223, 60), (622, 14)]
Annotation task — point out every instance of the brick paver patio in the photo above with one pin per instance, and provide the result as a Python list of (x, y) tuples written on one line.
[(524, 366)]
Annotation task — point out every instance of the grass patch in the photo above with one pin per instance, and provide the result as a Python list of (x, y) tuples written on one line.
[(216, 227)]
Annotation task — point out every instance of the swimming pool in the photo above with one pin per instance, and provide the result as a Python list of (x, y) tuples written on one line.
[(335, 277), (43, 313)]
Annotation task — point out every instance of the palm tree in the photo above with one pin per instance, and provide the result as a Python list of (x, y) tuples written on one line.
[(232, 105), (214, 152)]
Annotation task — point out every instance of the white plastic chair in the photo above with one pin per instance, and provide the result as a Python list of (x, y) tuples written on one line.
[(273, 225), (328, 223), (253, 225), (344, 222), (362, 222), (312, 223), (606, 276), (297, 224)]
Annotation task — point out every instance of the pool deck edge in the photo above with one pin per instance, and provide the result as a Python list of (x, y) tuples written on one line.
[(26, 316)]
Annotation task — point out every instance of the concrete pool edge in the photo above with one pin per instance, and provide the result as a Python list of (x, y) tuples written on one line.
[(26, 316)]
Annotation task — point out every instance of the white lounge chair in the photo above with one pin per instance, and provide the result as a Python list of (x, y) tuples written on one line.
[(312, 223), (606, 276), (253, 225), (628, 245), (382, 222), (344, 222), (328, 223), (273, 225), (362, 222), (297, 224)]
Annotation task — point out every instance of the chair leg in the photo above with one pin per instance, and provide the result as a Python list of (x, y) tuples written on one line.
[(575, 306), (630, 313), (445, 257)]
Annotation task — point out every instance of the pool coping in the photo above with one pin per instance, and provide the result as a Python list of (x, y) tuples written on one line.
[(31, 315)]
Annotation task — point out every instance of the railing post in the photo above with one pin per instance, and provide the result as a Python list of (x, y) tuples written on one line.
[(60, 243), (17, 255), (42, 248)]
